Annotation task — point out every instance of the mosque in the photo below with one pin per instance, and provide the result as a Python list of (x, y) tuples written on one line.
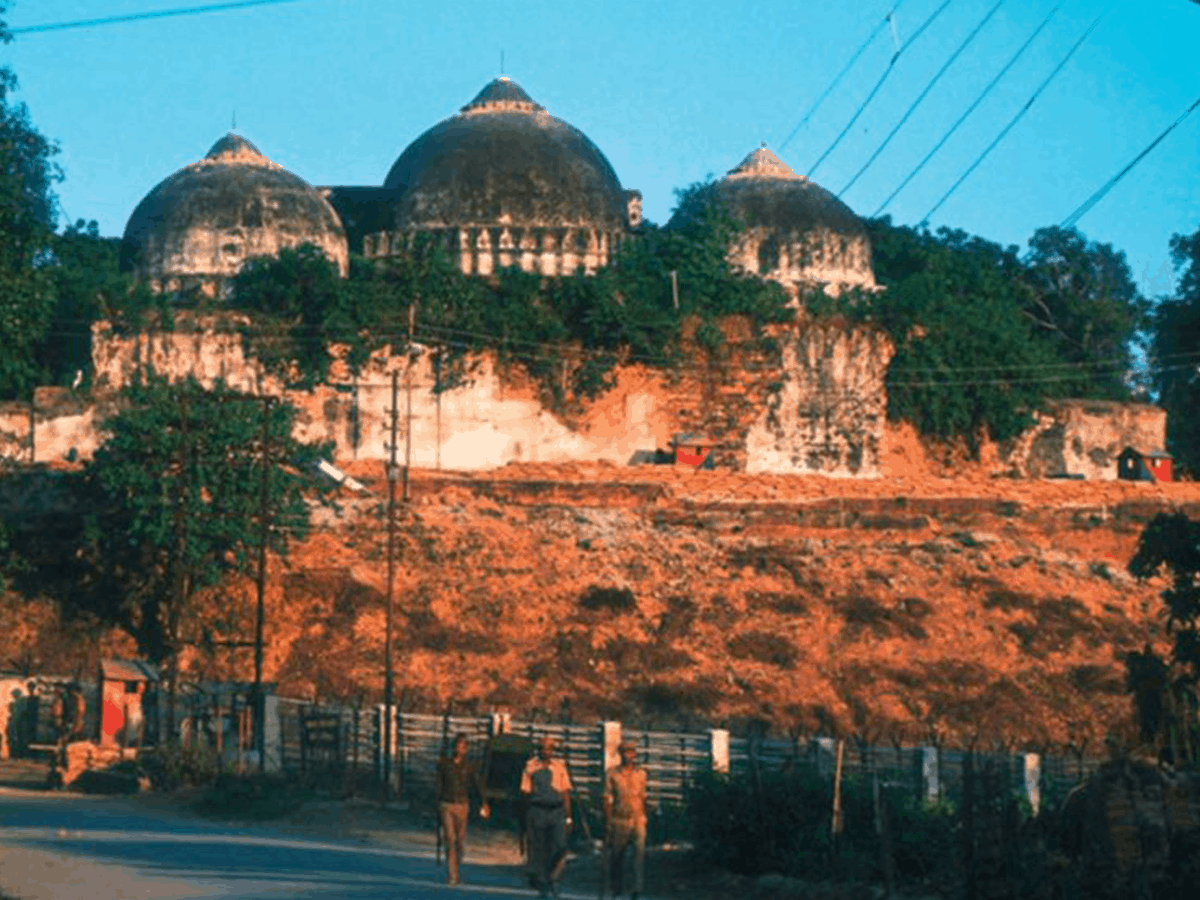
[(500, 183), (504, 183)]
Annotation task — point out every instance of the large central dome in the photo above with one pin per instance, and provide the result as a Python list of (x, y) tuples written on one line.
[(503, 182)]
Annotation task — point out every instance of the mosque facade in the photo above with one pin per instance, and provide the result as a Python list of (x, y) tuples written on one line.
[(503, 183)]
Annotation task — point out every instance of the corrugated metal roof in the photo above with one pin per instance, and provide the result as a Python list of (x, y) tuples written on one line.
[(127, 670)]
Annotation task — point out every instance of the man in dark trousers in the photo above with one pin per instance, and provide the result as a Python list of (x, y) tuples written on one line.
[(546, 785), (625, 820), (456, 776)]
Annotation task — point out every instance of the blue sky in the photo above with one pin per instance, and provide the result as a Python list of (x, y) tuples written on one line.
[(334, 90)]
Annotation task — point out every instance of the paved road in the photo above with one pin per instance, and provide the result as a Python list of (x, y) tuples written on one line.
[(69, 847)]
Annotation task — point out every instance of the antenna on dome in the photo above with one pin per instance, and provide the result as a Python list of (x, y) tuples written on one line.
[(501, 62), (233, 127)]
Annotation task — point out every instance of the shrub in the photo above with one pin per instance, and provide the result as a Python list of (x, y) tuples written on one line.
[(612, 599), (780, 822), (256, 796), (174, 767)]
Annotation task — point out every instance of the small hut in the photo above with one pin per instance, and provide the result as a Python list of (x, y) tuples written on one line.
[(123, 687), (1138, 465), (692, 450)]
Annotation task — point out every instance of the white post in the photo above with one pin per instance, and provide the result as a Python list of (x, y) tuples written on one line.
[(1033, 781), (610, 737), (383, 721), (272, 735), (930, 776), (719, 747)]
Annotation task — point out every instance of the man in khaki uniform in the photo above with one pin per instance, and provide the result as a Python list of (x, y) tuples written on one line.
[(625, 820), (546, 786)]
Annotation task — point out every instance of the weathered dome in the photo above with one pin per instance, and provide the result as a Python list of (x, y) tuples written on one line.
[(504, 183), (503, 159), (796, 231), (200, 225)]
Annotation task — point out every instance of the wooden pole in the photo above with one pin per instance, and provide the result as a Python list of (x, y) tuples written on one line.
[(388, 683), (412, 315), (261, 587)]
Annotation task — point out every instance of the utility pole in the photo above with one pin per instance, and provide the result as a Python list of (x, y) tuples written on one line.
[(675, 288), (412, 317), (260, 706), (181, 541), (388, 683)]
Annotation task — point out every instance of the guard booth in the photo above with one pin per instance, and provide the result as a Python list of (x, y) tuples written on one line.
[(125, 688), (1137, 465)]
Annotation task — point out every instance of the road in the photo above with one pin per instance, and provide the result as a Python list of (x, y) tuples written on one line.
[(56, 846)]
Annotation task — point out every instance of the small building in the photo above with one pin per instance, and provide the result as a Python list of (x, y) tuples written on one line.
[(693, 450), (1138, 465), (124, 684)]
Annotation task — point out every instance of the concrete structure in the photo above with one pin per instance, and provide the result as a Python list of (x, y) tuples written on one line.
[(198, 227), (797, 233), (502, 183), (1083, 438)]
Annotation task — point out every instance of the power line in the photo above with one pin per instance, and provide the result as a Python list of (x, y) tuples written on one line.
[(925, 93), (1015, 119), (1086, 206), (970, 109), (840, 75), (875, 90), (155, 14)]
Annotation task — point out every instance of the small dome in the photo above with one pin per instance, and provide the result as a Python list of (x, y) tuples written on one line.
[(201, 224), (797, 233), (504, 161), (765, 192)]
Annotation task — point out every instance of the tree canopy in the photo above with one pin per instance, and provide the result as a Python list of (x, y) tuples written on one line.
[(1165, 690), (1175, 353), (984, 335), (174, 500), (28, 210)]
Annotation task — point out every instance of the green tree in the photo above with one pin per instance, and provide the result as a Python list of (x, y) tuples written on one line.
[(297, 308), (1085, 303), (174, 500), (1175, 353), (27, 219), (1165, 690), (87, 285), (967, 364)]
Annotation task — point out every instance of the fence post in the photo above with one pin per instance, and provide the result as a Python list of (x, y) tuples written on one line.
[(499, 723), (1033, 781), (610, 739), (930, 776), (385, 719), (719, 749), (272, 735)]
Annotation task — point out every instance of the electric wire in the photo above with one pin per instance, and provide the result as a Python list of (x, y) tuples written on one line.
[(135, 17), (840, 75), (879, 84), (1015, 119), (925, 93), (970, 109), (1085, 207)]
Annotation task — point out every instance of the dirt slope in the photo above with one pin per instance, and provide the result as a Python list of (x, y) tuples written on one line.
[(898, 609)]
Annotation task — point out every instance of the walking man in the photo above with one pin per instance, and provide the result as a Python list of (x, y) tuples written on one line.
[(625, 820), (546, 785), (456, 776)]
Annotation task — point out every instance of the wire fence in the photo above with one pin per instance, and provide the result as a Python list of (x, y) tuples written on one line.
[(343, 747)]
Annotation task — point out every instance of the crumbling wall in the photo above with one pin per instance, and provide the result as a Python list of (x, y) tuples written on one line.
[(1082, 438), (829, 412)]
